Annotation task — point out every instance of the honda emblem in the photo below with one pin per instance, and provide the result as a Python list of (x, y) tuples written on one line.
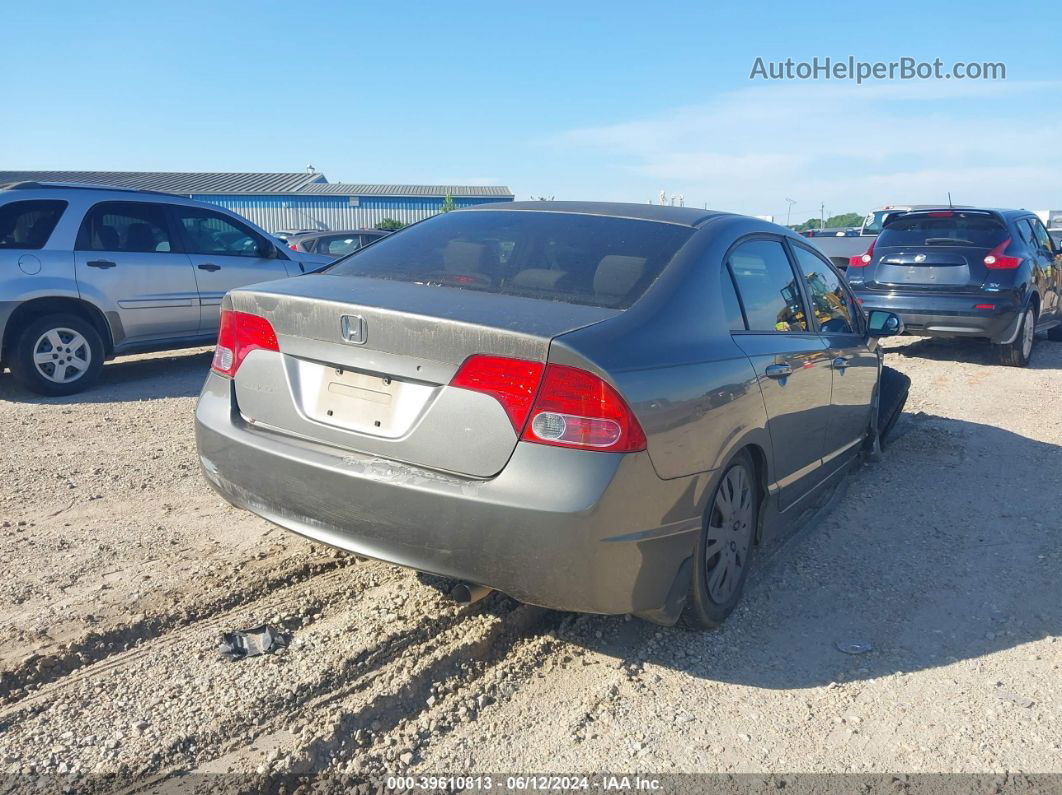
[(353, 329)]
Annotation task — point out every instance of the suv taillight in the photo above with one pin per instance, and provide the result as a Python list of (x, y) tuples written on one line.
[(239, 334), (862, 260), (996, 260), (555, 404)]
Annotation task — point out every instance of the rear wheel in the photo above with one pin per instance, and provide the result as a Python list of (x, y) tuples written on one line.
[(1017, 352), (724, 550), (57, 355)]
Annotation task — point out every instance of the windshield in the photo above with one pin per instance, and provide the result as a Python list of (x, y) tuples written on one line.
[(583, 259), (944, 229)]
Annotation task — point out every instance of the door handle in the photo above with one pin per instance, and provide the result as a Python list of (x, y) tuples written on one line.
[(840, 363), (778, 370), (101, 263), (208, 266)]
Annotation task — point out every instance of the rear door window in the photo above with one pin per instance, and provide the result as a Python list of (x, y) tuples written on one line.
[(767, 286), (946, 228), (831, 302), (206, 232), (126, 226), (583, 259), (29, 224)]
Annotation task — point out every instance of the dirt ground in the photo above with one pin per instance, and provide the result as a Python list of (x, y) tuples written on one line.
[(122, 568)]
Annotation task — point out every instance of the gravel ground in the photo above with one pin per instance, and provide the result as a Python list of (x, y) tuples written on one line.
[(122, 568)]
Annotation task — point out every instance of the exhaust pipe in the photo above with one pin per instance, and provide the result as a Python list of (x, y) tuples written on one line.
[(467, 593)]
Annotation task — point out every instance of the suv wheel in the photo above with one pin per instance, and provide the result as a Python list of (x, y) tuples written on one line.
[(57, 355), (724, 550), (1017, 353)]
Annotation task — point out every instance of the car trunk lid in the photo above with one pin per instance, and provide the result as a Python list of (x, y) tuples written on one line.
[(929, 268), (365, 365)]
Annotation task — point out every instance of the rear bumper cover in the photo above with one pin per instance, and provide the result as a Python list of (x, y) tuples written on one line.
[(949, 315), (564, 529)]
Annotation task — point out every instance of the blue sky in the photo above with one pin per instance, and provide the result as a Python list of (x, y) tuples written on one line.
[(577, 100)]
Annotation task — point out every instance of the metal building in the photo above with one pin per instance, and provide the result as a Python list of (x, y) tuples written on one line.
[(302, 200)]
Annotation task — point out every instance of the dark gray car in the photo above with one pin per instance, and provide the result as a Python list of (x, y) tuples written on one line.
[(592, 407)]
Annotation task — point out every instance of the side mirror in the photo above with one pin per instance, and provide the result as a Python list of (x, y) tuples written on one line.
[(884, 324)]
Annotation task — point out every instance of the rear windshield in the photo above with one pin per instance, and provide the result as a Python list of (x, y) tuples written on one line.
[(952, 229), (582, 259), (29, 224)]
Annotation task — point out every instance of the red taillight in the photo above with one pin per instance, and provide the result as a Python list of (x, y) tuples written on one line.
[(512, 382), (554, 404), (996, 260), (575, 408), (942, 214), (293, 247), (984, 306), (239, 334), (862, 260)]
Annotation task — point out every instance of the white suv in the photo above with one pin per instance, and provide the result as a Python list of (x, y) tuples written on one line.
[(91, 272)]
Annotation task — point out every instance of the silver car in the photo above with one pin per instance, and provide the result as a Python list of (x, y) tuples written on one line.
[(91, 272), (334, 244), (591, 407)]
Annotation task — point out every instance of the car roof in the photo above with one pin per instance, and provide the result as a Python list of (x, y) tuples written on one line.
[(686, 216), (323, 233), (1001, 211)]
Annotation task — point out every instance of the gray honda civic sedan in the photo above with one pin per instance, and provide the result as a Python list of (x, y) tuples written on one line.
[(596, 407)]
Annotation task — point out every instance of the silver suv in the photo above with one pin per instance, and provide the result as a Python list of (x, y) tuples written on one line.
[(90, 272)]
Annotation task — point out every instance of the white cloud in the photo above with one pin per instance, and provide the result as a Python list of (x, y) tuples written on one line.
[(849, 146)]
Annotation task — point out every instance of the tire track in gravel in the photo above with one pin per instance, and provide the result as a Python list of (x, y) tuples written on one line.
[(36, 670), (372, 642), (308, 593)]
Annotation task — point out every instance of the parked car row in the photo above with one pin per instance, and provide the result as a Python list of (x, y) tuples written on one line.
[(595, 407)]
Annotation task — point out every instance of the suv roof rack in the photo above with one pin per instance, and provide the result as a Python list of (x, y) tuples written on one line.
[(31, 185)]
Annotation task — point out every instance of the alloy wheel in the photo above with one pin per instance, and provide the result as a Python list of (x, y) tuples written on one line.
[(62, 355), (1028, 332)]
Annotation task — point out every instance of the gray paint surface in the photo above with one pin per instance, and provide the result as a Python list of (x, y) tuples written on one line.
[(564, 528)]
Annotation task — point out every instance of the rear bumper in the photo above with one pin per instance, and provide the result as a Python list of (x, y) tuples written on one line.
[(570, 530), (949, 315)]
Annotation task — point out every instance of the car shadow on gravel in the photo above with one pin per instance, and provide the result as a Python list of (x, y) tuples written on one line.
[(947, 550), (1046, 355), (171, 375)]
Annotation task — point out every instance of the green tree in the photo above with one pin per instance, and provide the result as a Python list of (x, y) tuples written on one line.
[(390, 225), (448, 204), (833, 222)]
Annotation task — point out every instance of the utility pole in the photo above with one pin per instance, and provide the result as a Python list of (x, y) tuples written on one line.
[(822, 216), (789, 211)]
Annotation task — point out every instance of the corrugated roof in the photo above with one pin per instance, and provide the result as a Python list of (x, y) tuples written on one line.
[(353, 189), (256, 183), (173, 182)]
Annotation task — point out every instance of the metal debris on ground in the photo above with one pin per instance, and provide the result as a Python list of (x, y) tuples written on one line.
[(252, 642), (853, 646)]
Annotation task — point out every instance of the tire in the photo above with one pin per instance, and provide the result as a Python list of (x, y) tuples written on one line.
[(728, 538), (1018, 352), (893, 390), (57, 355)]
